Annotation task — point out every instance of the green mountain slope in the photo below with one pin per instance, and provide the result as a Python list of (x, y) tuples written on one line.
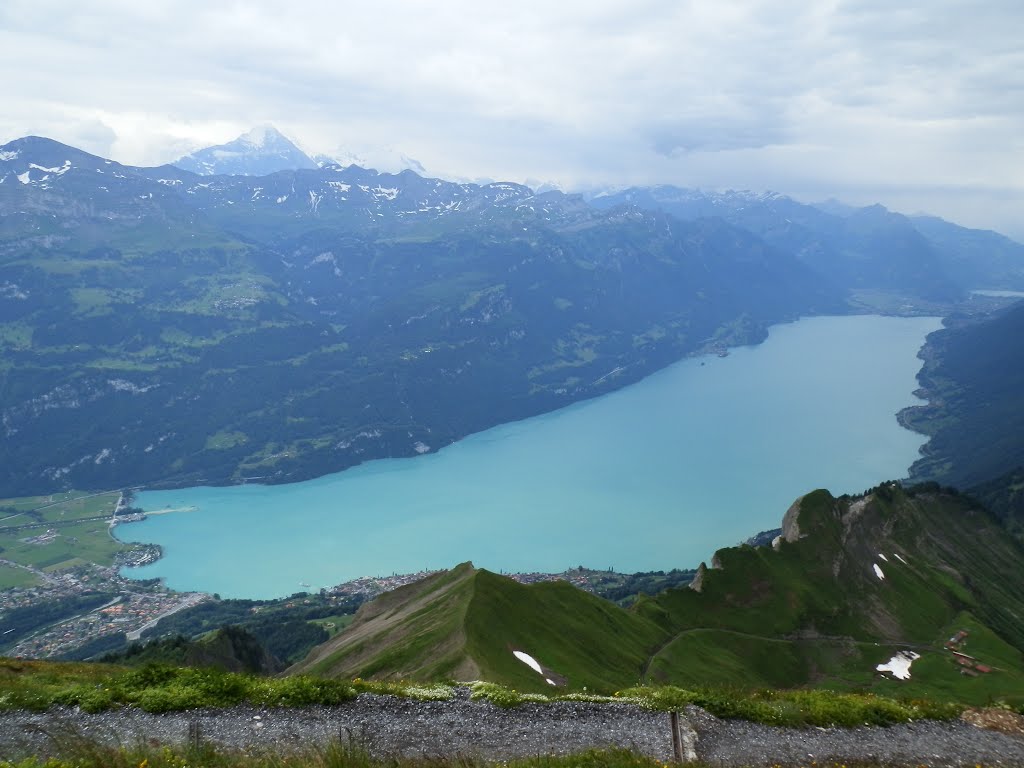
[(1005, 497), (230, 648), (466, 624), (851, 582), (414, 632)]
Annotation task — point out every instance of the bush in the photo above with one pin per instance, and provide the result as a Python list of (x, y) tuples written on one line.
[(301, 691), (501, 696), (170, 699)]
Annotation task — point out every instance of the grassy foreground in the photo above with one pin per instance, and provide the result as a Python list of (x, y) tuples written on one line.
[(35, 685)]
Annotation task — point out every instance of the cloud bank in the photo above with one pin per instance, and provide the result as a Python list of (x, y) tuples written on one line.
[(920, 107)]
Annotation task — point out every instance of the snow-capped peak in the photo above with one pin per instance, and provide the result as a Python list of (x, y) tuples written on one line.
[(258, 152), (260, 135)]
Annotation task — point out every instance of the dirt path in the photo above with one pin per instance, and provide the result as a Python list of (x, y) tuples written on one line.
[(390, 726)]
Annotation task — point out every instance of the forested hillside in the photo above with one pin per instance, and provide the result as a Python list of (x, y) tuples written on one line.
[(161, 327), (973, 377)]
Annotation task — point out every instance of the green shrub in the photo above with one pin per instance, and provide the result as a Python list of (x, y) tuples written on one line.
[(149, 676), (301, 691), (220, 689), (96, 700), (501, 696)]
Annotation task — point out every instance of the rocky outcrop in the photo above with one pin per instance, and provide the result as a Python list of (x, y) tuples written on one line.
[(790, 522), (697, 584)]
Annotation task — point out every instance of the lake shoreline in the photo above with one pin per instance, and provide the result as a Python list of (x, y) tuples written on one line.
[(570, 475), (622, 377)]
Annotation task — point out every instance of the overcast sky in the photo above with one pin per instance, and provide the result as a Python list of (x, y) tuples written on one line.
[(916, 104)]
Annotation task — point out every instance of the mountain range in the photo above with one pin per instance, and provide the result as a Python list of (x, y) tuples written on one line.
[(868, 248), (180, 329), (267, 316)]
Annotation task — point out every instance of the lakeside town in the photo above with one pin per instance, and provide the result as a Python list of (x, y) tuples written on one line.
[(136, 606), (58, 600)]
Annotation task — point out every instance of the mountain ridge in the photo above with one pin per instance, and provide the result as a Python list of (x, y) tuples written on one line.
[(854, 246), (855, 581)]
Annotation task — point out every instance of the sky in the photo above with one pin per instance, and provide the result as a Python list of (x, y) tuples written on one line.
[(917, 104)]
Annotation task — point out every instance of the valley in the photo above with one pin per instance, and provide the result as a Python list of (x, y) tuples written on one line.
[(328, 372), (551, 492), (183, 330), (228, 311), (491, 385)]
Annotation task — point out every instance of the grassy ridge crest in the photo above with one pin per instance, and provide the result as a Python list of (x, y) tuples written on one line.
[(852, 582)]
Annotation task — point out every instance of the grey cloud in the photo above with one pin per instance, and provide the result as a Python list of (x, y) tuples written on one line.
[(769, 93), (715, 134), (93, 136)]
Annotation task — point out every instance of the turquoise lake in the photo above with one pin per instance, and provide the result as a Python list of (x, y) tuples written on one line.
[(698, 456)]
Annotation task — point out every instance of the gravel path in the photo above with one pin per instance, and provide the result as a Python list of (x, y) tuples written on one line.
[(391, 726)]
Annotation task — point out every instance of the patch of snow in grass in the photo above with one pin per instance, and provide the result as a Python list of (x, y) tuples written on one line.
[(529, 661), (899, 665), (896, 554), (878, 572), (886, 559)]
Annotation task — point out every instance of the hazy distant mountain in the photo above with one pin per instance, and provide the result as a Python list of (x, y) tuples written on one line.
[(835, 207), (976, 257), (261, 151), (383, 160), (861, 248)]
